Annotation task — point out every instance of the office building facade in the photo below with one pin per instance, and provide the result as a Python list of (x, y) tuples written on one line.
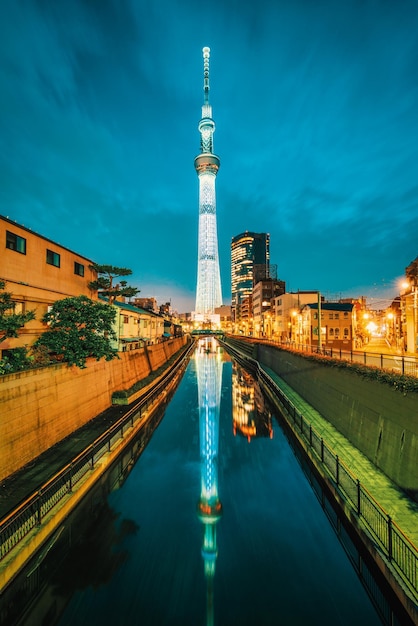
[(250, 262)]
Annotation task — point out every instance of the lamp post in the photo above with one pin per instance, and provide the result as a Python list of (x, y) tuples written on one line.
[(410, 299), (294, 326), (319, 322), (414, 314), (390, 330), (265, 307)]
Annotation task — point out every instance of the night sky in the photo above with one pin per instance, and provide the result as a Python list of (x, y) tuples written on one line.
[(316, 111)]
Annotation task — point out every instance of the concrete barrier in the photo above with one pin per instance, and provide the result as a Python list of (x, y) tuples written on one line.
[(378, 419), (39, 408)]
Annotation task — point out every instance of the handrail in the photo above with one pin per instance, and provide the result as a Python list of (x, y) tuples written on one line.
[(29, 514), (397, 548), (404, 364)]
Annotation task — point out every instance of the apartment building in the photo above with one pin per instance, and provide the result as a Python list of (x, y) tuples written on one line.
[(336, 321), (136, 327), (286, 313), (37, 272), (262, 295)]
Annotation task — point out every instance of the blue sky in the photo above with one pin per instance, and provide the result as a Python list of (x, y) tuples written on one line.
[(316, 111)]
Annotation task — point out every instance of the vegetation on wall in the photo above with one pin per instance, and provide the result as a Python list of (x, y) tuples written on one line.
[(10, 321), (401, 382), (78, 328), (11, 324)]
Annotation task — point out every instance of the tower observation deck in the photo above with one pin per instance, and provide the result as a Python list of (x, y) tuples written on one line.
[(208, 292)]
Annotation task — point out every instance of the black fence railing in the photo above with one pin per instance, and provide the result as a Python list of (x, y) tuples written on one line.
[(31, 513), (394, 544), (399, 363)]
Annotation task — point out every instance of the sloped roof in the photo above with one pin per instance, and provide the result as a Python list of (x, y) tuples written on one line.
[(126, 306)]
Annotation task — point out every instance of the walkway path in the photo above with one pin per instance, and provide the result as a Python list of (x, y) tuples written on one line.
[(403, 510), (380, 345)]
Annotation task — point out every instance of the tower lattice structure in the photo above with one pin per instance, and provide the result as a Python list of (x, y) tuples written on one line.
[(208, 361), (208, 292)]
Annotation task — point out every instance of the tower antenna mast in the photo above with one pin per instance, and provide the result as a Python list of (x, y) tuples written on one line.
[(208, 292)]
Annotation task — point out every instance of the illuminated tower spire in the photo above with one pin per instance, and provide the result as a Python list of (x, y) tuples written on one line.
[(208, 293)]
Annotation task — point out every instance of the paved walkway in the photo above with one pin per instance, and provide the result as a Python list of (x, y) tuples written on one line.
[(393, 500), (380, 345)]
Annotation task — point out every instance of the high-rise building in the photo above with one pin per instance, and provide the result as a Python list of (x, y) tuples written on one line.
[(250, 259), (208, 292)]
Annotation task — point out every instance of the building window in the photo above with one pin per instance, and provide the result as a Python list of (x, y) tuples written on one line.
[(52, 258), (345, 314), (331, 332), (78, 269), (16, 243), (331, 316), (337, 316), (337, 332), (19, 308), (346, 333)]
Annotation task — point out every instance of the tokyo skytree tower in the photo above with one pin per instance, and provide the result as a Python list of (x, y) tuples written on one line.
[(208, 293)]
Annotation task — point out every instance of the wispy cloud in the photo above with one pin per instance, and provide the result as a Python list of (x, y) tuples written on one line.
[(316, 127)]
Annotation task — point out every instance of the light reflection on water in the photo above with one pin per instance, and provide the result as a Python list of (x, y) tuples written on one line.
[(223, 527)]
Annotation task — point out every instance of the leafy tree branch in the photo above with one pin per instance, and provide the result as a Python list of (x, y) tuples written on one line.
[(105, 282), (11, 322), (79, 328)]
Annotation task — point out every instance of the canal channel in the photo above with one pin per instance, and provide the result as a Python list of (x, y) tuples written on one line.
[(213, 523)]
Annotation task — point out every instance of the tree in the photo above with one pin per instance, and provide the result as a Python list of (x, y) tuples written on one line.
[(104, 283), (11, 322), (79, 328)]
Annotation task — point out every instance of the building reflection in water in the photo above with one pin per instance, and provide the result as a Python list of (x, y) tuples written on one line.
[(209, 376), (250, 415)]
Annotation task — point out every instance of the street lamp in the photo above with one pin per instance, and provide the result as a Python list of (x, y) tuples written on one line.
[(391, 327), (410, 294), (265, 305)]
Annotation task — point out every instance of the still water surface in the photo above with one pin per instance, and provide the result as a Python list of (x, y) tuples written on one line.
[(216, 523)]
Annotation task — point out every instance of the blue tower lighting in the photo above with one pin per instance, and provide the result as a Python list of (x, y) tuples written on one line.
[(208, 292)]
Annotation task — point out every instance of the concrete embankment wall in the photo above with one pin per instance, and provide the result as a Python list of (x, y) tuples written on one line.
[(375, 417), (39, 408)]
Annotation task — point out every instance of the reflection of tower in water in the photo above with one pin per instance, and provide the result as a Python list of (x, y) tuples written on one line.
[(209, 377)]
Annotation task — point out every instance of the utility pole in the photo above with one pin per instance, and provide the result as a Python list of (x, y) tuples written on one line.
[(319, 322)]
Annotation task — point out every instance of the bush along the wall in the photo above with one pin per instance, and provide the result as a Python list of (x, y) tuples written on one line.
[(401, 382)]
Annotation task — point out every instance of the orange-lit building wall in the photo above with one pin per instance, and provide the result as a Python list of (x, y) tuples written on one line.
[(35, 283)]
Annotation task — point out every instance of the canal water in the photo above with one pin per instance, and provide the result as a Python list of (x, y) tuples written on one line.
[(216, 524)]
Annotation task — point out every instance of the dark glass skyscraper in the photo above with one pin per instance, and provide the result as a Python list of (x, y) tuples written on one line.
[(247, 251)]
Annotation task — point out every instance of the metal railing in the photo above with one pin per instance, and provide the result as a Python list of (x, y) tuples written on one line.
[(30, 514), (399, 363), (394, 544)]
